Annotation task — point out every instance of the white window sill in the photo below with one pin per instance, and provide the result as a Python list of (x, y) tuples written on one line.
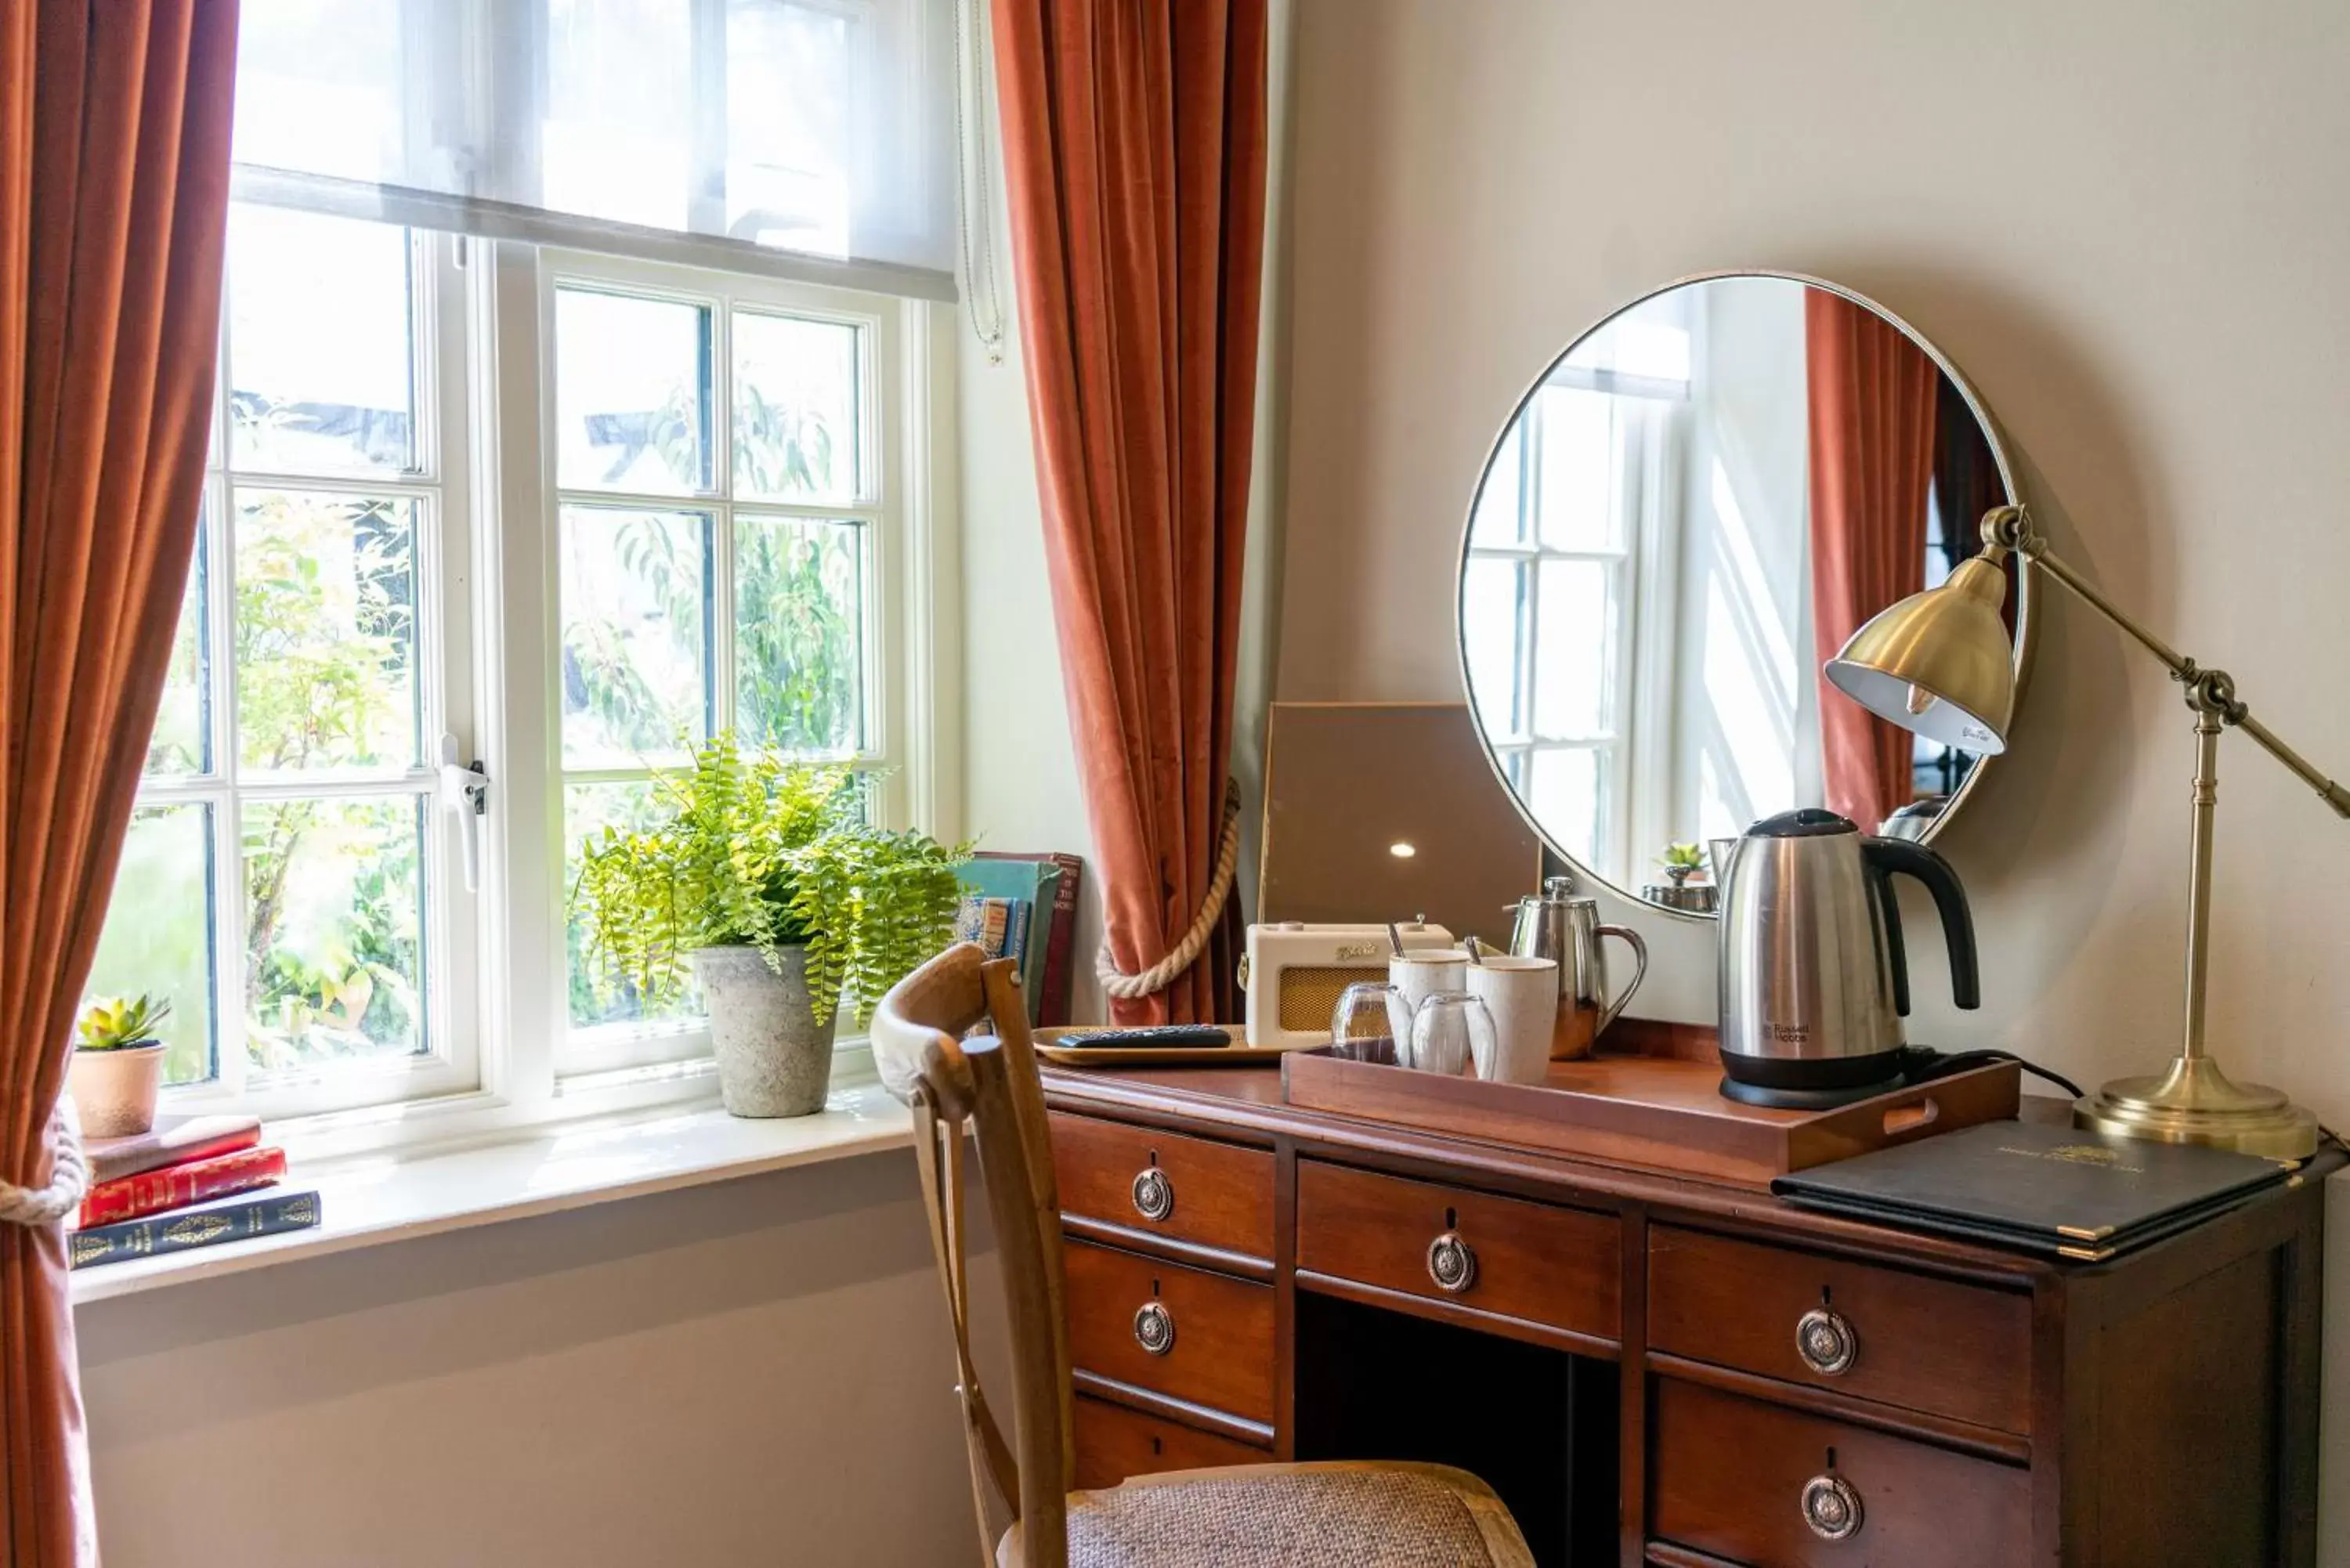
[(367, 1201)]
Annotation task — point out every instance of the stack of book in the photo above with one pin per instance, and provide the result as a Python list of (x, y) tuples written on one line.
[(191, 1182), (1025, 908)]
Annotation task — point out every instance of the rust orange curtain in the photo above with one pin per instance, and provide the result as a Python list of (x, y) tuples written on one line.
[(1872, 397), (114, 142), (1135, 148)]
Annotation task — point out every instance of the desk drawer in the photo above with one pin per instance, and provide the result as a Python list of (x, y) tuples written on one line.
[(1209, 1194), (1729, 1477), (1184, 1333), (1923, 1343), (1114, 1442), (1558, 1268)]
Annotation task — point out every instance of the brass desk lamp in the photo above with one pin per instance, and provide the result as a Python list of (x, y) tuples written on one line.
[(1939, 663)]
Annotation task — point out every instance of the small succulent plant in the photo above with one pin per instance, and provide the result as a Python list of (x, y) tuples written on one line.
[(1682, 861), (118, 1022)]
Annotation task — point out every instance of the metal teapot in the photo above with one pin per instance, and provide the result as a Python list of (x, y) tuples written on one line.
[(1562, 924)]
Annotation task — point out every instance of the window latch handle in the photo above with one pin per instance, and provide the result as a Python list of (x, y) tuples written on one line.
[(465, 793)]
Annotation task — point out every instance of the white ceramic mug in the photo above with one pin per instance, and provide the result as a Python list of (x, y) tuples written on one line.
[(1522, 994), (1419, 974)]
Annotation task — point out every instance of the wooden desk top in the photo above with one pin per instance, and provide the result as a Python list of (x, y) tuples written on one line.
[(1245, 1105)]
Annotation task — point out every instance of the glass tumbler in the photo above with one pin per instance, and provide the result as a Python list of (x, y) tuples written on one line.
[(1370, 1022), (1450, 1032)]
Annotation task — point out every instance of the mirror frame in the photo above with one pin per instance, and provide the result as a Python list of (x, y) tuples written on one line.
[(2024, 598)]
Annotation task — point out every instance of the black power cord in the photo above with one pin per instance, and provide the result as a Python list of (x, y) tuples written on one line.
[(1923, 1065)]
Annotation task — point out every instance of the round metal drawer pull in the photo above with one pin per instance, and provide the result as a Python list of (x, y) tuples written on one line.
[(1832, 1508), (1451, 1263), (1154, 1328), (1154, 1194), (1825, 1340)]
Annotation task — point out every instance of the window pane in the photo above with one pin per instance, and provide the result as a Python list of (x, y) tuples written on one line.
[(632, 393), (334, 920), (636, 651), (790, 72), (616, 141), (1577, 484), (795, 409), (1496, 518), (325, 631), (1575, 634), (1566, 799), (1493, 614), (599, 993), (798, 628), (321, 372), (181, 743), (158, 937)]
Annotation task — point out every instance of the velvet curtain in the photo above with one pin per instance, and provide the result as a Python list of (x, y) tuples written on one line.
[(1872, 397), (114, 146), (1134, 146)]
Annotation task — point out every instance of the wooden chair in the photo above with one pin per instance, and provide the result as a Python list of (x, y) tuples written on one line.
[(1344, 1515)]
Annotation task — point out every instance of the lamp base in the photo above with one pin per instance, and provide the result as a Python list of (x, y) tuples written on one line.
[(2196, 1103)]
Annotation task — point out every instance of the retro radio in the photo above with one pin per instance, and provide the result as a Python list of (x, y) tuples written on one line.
[(1293, 973)]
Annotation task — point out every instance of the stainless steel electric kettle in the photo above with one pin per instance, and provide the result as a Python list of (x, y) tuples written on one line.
[(1815, 982)]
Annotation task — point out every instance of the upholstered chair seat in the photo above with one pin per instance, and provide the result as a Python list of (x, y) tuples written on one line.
[(1290, 1516)]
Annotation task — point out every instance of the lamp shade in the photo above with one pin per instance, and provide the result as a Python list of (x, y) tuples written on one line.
[(1938, 662)]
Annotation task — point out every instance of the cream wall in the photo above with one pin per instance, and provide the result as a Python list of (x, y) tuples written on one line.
[(757, 1371), (2124, 219)]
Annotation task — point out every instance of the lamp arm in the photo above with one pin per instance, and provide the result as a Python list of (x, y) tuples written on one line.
[(2207, 690)]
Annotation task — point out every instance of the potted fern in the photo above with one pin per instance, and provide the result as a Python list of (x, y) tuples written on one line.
[(768, 889), (117, 1071)]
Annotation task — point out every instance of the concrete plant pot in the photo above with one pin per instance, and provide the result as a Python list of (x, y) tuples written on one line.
[(774, 1058), (115, 1091)]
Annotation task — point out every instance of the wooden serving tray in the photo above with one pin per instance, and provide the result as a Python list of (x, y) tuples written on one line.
[(1665, 1113)]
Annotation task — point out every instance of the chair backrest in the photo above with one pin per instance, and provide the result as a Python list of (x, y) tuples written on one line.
[(991, 1083)]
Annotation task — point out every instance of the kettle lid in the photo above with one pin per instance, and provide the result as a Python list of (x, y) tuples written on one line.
[(1808, 822)]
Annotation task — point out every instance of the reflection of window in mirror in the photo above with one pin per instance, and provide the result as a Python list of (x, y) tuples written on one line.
[(1638, 615), (1578, 497)]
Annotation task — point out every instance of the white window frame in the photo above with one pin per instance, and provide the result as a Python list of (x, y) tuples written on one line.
[(500, 1020), (877, 509), (443, 669)]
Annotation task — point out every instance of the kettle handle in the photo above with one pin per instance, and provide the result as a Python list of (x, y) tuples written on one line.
[(1890, 858)]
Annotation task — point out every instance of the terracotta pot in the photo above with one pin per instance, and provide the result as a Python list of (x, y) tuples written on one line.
[(115, 1090), (774, 1058)]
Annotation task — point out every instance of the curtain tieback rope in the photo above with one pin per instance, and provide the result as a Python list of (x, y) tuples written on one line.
[(68, 1176), (1126, 987)]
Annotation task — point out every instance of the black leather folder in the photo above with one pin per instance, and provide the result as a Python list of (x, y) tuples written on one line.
[(2053, 1190)]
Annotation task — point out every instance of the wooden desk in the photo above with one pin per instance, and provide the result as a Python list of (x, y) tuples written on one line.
[(1616, 1351)]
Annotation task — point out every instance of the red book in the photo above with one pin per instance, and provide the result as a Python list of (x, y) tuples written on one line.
[(175, 1140), (176, 1186)]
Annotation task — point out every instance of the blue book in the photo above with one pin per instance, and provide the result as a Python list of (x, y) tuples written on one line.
[(180, 1229), (1034, 883)]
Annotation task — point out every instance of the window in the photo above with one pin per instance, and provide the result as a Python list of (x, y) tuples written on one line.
[(287, 882), (568, 513), (479, 501), (718, 513)]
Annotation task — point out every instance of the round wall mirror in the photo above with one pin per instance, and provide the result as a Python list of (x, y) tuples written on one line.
[(1681, 521)]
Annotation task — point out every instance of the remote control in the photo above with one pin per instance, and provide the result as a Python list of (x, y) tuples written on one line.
[(1164, 1035)]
